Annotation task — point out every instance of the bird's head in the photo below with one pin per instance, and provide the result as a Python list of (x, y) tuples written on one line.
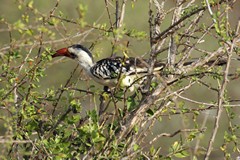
[(74, 51), (78, 52)]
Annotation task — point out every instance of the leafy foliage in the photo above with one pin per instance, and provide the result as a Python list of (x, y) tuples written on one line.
[(48, 111)]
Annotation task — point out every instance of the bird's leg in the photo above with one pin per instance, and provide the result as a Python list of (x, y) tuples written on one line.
[(114, 100), (102, 107), (102, 98)]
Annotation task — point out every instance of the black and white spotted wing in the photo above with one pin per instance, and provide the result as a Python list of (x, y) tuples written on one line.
[(108, 68)]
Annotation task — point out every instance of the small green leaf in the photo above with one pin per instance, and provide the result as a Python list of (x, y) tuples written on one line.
[(175, 146), (181, 154), (135, 147)]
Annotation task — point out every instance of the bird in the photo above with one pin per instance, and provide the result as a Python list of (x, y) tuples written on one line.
[(126, 72)]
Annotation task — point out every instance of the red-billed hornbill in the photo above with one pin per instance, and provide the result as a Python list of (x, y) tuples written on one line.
[(110, 71)]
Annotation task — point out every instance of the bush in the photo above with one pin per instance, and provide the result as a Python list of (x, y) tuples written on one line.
[(190, 111)]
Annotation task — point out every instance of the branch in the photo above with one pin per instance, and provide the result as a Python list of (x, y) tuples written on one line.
[(171, 29), (220, 103), (174, 134)]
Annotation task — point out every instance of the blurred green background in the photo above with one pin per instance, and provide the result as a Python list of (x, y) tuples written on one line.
[(93, 12)]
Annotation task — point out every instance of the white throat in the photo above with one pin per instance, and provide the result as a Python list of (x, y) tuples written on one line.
[(83, 58)]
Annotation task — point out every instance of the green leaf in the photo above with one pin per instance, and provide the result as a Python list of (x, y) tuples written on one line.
[(181, 154), (135, 147), (131, 104), (175, 147)]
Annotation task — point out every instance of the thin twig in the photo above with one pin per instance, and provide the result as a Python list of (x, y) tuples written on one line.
[(220, 103), (210, 11), (172, 28), (61, 91), (173, 134)]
